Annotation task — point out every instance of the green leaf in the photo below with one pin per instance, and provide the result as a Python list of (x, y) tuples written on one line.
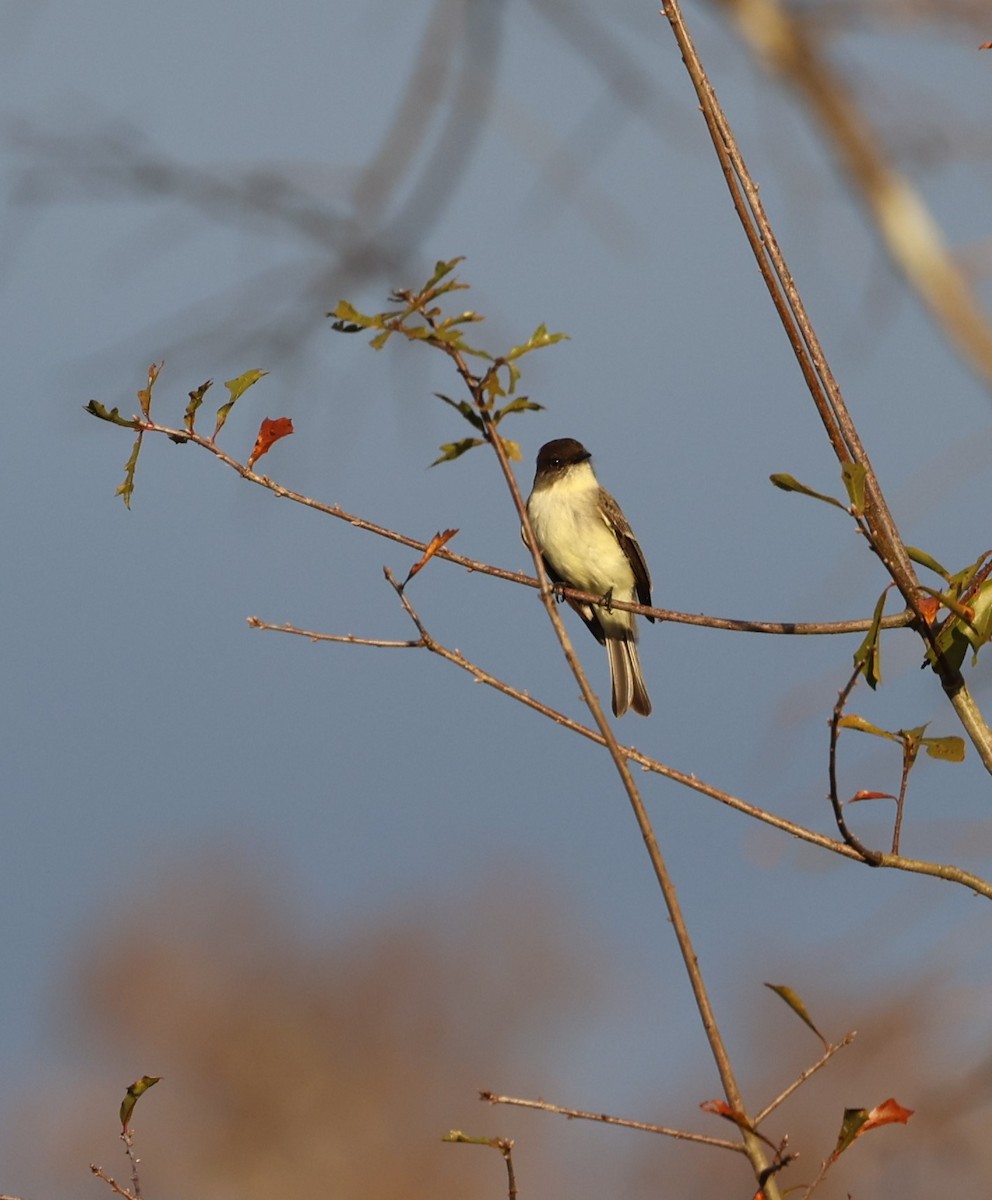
[(467, 317), (237, 388), (981, 603), (794, 1001), (790, 484), (537, 340), (518, 404), (113, 415), (138, 1088), (466, 409), (952, 644), (349, 319), (947, 749), (491, 384), (145, 393), (381, 339), (970, 626), (452, 450), (852, 721), (195, 400), (924, 560), (853, 475), (442, 268), (854, 1119), (960, 581), (512, 449), (869, 654), (126, 489)]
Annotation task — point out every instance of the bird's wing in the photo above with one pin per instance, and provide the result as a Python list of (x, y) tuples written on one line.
[(613, 515)]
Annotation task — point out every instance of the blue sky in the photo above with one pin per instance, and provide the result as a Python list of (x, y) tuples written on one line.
[(144, 724)]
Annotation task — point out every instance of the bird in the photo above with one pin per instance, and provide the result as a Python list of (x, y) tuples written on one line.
[(586, 543)]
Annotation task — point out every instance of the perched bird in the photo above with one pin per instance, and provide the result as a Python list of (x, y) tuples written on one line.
[(587, 544)]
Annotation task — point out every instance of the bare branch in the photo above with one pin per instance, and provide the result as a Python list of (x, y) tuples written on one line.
[(115, 1186), (946, 871), (827, 1055), (577, 1114), (503, 1145), (872, 857), (347, 638), (476, 566)]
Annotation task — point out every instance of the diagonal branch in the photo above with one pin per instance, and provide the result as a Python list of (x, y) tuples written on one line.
[(881, 529), (426, 641)]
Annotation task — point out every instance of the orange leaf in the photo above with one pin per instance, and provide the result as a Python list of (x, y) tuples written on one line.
[(889, 1112), (269, 432), (720, 1108), (929, 606), (863, 795), (985, 46), (435, 544)]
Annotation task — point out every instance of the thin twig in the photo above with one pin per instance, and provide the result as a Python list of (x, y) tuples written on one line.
[(827, 1055), (115, 1186), (819, 1177), (476, 566), (127, 1137), (347, 639), (908, 759), (872, 857), (577, 1114), (503, 1145)]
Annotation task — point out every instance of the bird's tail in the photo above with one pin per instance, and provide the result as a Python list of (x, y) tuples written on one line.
[(628, 682)]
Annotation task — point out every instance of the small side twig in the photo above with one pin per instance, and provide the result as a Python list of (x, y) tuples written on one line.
[(872, 857), (503, 1145), (127, 1137), (347, 639), (908, 759), (578, 1114), (822, 1061), (114, 1185)]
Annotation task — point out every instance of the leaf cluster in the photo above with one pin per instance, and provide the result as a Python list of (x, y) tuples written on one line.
[(236, 388), (421, 319)]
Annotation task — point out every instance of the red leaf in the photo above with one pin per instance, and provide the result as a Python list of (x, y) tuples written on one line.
[(719, 1108), (269, 432)]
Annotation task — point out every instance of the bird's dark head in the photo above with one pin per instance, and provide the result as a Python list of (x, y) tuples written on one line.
[(555, 458)]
